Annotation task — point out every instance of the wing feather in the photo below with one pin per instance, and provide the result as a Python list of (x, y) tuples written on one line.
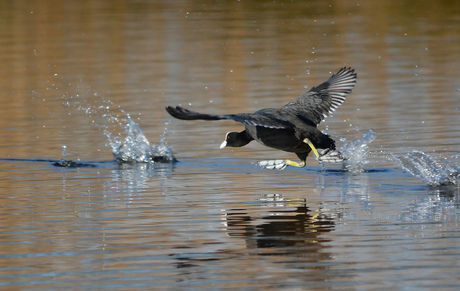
[(324, 99), (309, 108)]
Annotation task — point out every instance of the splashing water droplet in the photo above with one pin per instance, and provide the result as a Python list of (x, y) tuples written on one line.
[(64, 147), (356, 152), (125, 138), (427, 168)]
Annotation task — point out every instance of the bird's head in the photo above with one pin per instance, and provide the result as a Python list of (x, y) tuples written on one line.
[(235, 139)]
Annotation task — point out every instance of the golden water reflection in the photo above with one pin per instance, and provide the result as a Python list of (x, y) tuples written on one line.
[(201, 223)]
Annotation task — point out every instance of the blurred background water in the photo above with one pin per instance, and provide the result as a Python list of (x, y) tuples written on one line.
[(72, 70)]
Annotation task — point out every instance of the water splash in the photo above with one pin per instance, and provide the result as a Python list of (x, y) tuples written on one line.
[(356, 152), (427, 168), (163, 153), (125, 138), (133, 146), (456, 159)]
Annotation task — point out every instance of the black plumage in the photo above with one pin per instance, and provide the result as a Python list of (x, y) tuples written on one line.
[(288, 127)]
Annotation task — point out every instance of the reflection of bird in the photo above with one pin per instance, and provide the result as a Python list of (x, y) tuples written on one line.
[(291, 128)]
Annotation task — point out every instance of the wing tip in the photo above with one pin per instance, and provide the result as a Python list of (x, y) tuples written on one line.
[(347, 71)]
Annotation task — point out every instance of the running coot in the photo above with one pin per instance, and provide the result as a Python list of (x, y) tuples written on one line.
[(291, 128)]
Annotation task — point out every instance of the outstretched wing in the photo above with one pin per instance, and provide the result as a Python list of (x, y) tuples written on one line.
[(260, 118), (324, 99)]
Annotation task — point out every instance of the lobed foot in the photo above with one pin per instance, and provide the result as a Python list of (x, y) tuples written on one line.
[(330, 156), (280, 164), (273, 164)]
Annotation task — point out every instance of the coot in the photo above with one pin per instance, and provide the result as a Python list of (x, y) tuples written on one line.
[(291, 128)]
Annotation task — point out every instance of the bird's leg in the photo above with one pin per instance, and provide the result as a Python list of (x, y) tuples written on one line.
[(313, 148), (280, 165), (326, 155)]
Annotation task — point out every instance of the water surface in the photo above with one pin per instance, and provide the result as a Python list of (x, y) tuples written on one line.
[(214, 220)]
